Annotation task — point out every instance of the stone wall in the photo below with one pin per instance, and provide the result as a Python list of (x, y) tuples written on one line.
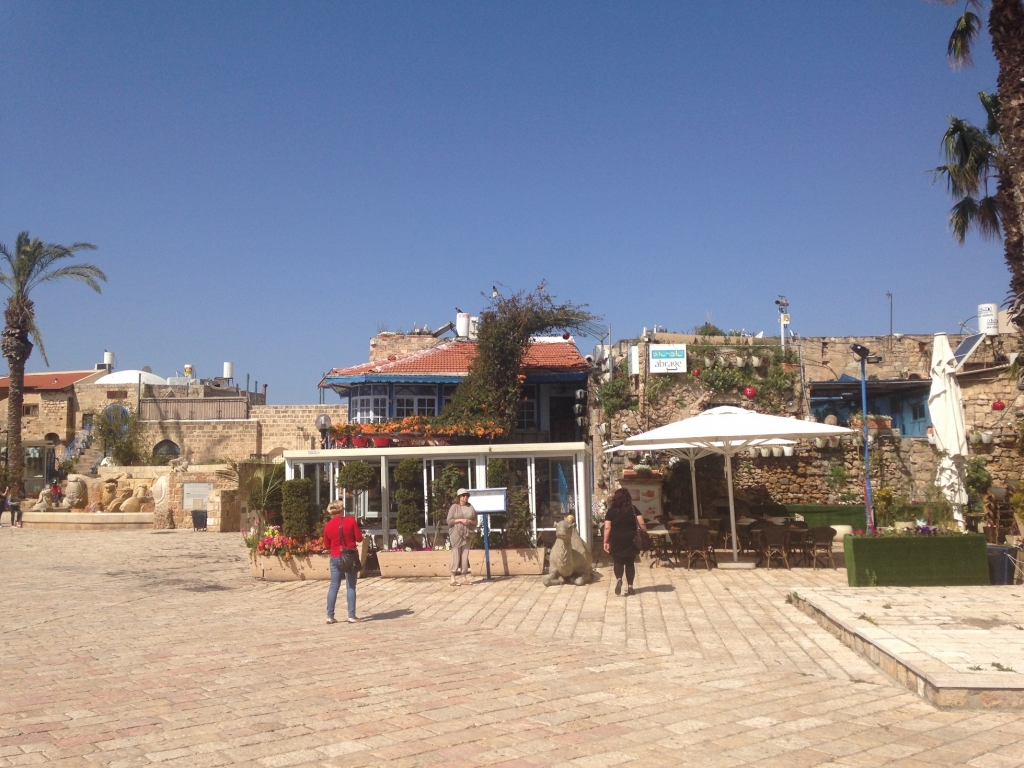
[(94, 399), (55, 416), (383, 345), (204, 441), (292, 427)]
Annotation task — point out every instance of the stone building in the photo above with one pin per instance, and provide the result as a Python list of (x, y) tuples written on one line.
[(825, 381)]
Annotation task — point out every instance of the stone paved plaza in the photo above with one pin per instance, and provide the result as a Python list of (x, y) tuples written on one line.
[(138, 648)]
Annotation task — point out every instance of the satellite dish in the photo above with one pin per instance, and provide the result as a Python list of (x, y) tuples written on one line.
[(146, 369)]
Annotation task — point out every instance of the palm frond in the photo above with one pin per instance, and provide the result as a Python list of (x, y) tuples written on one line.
[(958, 50), (84, 273), (990, 101), (988, 221), (37, 338)]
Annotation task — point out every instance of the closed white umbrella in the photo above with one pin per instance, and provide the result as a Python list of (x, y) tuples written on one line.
[(727, 430), (947, 414)]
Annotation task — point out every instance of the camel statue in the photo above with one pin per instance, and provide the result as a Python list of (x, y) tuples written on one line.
[(571, 559)]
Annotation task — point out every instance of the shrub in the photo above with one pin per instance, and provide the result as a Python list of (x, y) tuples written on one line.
[(357, 476), (410, 517), (296, 508)]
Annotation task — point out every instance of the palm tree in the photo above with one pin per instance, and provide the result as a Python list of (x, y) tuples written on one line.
[(972, 160), (30, 265), (1006, 27)]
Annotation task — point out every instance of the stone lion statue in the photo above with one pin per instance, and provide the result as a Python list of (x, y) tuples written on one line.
[(571, 558), (115, 505), (135, 502)]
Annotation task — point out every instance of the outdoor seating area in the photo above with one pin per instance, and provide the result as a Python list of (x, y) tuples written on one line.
[(770, 543)]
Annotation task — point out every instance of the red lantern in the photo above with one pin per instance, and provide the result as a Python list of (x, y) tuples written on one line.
[(998, 405), (566, 336), (696, 373), (750, 393)]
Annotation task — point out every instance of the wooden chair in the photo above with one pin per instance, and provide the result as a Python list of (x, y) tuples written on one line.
[(697, 541), (821, 546), (776, 545)]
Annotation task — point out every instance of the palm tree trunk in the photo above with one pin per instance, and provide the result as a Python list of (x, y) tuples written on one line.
[(1006, 26), (16, 348)]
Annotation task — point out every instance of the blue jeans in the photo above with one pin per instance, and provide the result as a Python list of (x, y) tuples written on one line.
[(332, 591)]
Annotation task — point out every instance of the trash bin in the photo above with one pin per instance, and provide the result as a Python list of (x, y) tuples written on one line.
[(1000, 565), (199, 521)]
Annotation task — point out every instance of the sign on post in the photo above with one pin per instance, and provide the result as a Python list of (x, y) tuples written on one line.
[(667, 358), (487, 502)]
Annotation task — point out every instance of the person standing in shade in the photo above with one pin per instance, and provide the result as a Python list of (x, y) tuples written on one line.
[(461, 522), (340, 534), (620, 526)]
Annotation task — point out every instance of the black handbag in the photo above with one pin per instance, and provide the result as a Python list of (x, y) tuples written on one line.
[(642, 540), (349, 561)]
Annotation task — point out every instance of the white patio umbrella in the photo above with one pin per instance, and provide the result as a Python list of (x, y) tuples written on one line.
[(691, 453), (947, 414), (727, 430)]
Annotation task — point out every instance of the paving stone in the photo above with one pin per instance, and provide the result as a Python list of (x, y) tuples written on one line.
[(125, 648)]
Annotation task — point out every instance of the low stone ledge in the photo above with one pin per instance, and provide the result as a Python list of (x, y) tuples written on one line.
[(88, 521), (950, 691)]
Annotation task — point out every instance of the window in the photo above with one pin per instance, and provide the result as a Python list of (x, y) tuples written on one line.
[(405, 406), (449, 392), (528, 409), (369, 404), (30, 410), (426, 406), (917, 412)]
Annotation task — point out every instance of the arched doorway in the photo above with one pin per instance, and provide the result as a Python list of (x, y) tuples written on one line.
[(167, 448)]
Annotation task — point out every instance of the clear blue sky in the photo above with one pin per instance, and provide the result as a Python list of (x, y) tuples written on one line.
[(270, 182)]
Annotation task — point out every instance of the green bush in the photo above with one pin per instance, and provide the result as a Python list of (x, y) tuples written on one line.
[(615, 395), (410, 517), (357, 476), (296, 508)]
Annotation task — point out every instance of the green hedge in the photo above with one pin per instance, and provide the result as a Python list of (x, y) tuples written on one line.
[(818, 515), (296, 507), (916, 561)]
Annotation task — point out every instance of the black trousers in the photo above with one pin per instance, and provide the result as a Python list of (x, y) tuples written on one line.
[(625, 563)]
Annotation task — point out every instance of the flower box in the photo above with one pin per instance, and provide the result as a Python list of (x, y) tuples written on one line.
[(360, 442), (914, 560), (381, 442), (504, 562), (311, 568)]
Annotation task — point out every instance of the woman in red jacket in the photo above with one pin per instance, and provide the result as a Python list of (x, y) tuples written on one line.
[(341, 533)]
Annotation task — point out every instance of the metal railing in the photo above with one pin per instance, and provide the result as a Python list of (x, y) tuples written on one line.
[(194, 408), (75, 448)]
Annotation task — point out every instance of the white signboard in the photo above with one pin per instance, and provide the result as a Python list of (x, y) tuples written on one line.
[(196, 495), (488, 499), (668, 358), (634, 361)]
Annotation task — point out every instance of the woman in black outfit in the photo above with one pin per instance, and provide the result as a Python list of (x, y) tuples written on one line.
[(620, 525)]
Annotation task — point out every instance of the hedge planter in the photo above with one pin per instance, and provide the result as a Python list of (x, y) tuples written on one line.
[(916, 561), (312, 568), (504, 562), (819, 515)]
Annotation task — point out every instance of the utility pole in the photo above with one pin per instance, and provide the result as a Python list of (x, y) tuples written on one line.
[(889, 294)]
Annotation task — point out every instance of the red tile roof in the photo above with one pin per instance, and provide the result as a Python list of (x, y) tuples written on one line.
[(48, 382), (453, 357)]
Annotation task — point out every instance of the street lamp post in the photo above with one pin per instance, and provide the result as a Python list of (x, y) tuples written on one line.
[(863, 353), (783, 306)]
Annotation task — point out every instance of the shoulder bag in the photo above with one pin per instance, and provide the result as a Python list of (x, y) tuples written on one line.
[(641, 540)]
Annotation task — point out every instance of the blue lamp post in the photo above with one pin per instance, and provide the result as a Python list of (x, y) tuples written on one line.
[(863, 352)]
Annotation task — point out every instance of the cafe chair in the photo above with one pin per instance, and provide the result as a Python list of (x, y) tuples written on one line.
[(821, 546), (776, 545), (698, 542)]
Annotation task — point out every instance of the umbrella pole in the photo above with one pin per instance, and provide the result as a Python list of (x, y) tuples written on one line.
[(693, 485), (732, 506)]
